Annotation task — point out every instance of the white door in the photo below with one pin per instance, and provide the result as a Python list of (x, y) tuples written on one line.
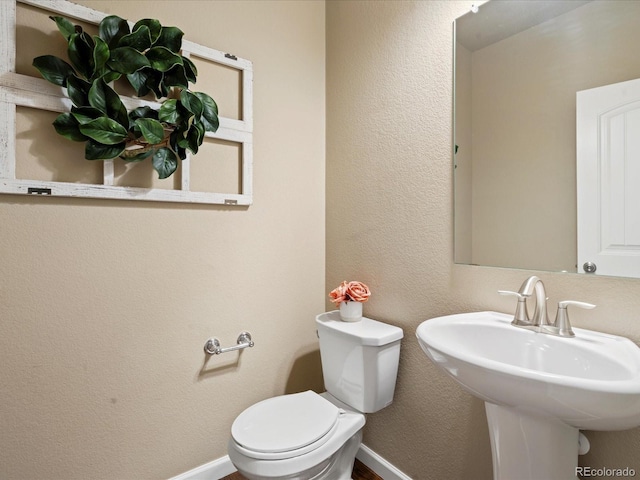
[(608, 178)]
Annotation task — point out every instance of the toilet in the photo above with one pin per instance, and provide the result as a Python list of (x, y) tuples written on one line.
[(305, 436)]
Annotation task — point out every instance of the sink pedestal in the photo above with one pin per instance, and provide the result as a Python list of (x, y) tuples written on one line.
[(530, 446)]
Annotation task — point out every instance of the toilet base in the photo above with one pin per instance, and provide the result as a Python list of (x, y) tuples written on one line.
[(344, 459)]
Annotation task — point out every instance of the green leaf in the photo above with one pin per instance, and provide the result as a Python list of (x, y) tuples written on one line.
[(105, 99), (195, 136), (140, 39), (168, 112), (98, 96), (138, 81), (162, 90), (67, 126), (112, 29), (105, 131), (154, 83), (78, 91), (191, 103), (153, 25), (127, 60), (183, 123), (80, 53), (143, 112), (175, 77), (171, 38), (110, 76), (190, 69), (164, 162), (173, 141), (151, 130), (53, 69), (85, 114), (182, 141), (101, 54), (209, 112), (97, 151), (65, 26), (147, 80), (162, 59)]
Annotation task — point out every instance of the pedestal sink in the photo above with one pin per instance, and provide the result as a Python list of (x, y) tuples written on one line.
[(539, 390)]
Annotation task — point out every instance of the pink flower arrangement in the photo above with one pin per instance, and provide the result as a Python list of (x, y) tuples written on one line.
[(350, 292)]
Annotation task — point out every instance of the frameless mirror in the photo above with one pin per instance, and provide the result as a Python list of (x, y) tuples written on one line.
[(519, 68)]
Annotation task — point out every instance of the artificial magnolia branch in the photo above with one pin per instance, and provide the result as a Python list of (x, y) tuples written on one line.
[(148, 58)]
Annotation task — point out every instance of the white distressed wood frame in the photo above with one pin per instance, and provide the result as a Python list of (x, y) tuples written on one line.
[(22, 90)]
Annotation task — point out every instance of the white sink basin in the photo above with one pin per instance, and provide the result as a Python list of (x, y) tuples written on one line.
[(539, 389), (590, 381)]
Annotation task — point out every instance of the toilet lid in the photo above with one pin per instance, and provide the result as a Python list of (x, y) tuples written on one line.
[(284, 423)]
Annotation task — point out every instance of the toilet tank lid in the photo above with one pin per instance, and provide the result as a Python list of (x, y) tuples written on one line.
[(366, 331)]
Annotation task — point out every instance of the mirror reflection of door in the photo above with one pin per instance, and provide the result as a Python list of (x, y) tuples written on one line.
[(515, 123), (608, 176)]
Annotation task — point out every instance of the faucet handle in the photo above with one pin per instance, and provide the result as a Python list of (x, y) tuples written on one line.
[(521, 316), (562, 317), (509, 292), (566, 303)]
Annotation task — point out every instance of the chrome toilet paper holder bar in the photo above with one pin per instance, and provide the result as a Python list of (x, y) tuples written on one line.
[(212, 347)]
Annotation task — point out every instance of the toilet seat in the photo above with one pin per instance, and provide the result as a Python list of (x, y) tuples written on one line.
[(286, 426)]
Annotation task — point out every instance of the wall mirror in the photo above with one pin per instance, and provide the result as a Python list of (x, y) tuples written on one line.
[(522, 71)]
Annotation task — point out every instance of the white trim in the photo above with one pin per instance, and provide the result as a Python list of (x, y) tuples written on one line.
[(8, 38), (64, 189), (222, 467), (379, 465), (209, 471)]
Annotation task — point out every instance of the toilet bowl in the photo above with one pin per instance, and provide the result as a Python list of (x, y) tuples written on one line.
[(306, 435)]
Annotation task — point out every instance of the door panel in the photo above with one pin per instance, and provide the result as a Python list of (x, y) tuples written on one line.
[(608, 178)]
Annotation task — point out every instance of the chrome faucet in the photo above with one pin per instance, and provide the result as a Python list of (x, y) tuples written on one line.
[(540, 321), (540, 315)]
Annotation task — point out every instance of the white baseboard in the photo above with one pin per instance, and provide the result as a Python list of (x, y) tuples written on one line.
[(379, 465), (222, 467), (209, 471)]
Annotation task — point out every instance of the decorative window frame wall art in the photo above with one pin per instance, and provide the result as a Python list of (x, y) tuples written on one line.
[(18, 90)]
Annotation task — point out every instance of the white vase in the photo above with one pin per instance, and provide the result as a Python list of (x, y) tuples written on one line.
[(351, 311)]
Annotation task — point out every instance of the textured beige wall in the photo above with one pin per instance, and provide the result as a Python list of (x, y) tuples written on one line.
[(390, 225), (106, 305), (105, 316)]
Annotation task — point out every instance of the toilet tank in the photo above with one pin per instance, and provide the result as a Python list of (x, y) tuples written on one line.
[(359, 360)]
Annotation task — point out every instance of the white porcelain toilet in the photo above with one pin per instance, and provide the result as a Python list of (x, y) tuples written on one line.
[(304, 436)]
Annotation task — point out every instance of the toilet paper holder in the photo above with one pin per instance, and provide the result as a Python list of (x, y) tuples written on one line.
[(212, 347)]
